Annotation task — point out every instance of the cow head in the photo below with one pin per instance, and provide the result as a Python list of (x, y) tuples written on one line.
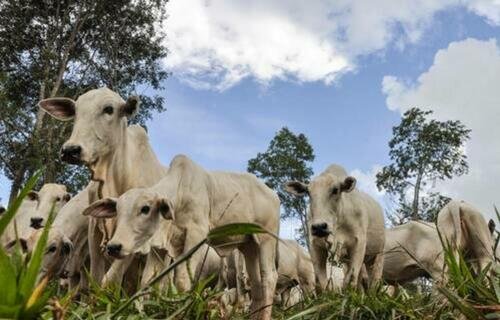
[(100, 124), (50, 196), (325, 192), (138, 213), (59, 249)]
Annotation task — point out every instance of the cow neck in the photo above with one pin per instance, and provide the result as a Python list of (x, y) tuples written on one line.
[(133, 164)]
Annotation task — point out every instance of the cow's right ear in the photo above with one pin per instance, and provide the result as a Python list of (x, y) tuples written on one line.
[(491, 226), (166, 209), (60, 108), (104, 208), (296, 188), (130, 107)]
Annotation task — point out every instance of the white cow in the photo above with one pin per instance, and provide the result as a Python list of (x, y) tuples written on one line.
[(118, 156), (344, 221), (464, 228), (412, 250), (67, 244), (197, 200), (33, 213), (295, 267)]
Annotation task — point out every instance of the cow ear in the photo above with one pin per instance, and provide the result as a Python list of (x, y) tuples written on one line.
[(130, 107), (491, 226), (166, 209), (60, 108), (296, 188), (104, 208), (66, 197), (348, 185), (33, 196)]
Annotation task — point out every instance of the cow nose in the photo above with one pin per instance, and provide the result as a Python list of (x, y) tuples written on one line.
[(71, 154), (36, 222), (114, 249), (319, 229)]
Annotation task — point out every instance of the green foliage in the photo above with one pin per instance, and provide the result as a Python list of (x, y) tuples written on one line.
[(21, 296), (64, 48), (288, 157), (422, 150)]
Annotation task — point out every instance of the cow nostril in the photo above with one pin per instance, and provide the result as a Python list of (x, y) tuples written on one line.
[(71, 153), (113, 249), (319, 229), (36, 222)]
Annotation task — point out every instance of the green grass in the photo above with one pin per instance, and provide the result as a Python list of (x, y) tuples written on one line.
[(463, 295)]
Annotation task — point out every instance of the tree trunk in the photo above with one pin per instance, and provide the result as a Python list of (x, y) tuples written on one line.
[(16, 184), (35, 136), (416, 196)]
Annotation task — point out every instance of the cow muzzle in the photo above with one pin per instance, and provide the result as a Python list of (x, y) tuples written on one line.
[(36, 223), (320, 230), (114, 250), (71, 154)]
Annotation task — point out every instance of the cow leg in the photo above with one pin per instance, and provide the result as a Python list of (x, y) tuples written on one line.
[(154, 264), (319, 257), (183, 277), (376, 271), (357, 255), (116, 271), (97, 260), (261, 267)]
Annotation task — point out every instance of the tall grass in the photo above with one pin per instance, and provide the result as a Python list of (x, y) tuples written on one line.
[(21, 296)]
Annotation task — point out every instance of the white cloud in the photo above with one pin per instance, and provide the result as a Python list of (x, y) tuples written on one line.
[(366, 182), (215, 44), (462, 84)]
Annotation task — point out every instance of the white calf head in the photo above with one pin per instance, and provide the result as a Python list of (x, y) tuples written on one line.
[(325, 192), (100, 123), (138, 213), (50, 196)]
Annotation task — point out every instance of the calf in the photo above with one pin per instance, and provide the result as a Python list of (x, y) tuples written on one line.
[(196, 201), (344, 221)]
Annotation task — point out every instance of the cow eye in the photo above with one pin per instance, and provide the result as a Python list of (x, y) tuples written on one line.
[(108, 110), (145, 210), (52, 249), (335, 191), (58, 199)]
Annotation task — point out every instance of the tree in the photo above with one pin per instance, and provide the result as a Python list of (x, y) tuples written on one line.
[(422, 150), (288, 157), (64, 48)]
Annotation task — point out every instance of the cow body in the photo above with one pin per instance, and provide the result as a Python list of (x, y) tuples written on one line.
[(412, 250), (464, 228)]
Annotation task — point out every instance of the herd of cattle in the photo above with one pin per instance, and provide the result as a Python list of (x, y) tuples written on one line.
[(136, 216)]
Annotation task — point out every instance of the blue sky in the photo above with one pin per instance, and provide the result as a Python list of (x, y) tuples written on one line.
[(341, 72)]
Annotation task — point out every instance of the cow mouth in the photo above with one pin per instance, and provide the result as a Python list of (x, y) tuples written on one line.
[(36, 225), (320, 233)]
